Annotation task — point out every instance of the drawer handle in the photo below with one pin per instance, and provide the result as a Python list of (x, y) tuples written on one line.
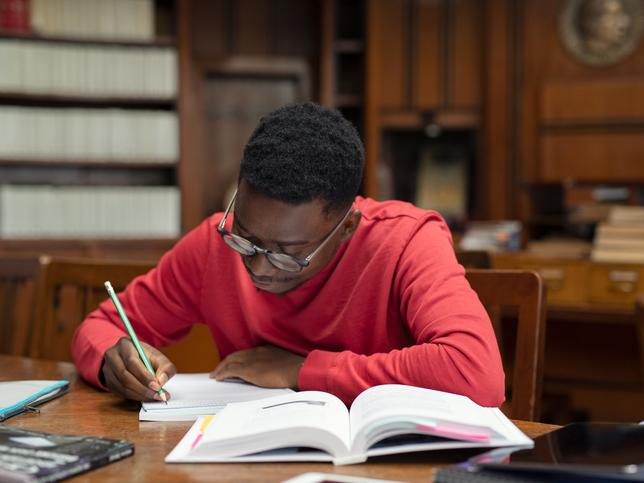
[(623, 276), (621, 287), (553, 278)]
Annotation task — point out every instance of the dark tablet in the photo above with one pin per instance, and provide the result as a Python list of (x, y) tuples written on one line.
[(606, 450)]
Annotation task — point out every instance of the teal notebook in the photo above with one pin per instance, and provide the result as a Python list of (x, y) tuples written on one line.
[(19, 396)]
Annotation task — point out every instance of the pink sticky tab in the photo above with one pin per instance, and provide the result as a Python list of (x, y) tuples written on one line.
[(451, 433)]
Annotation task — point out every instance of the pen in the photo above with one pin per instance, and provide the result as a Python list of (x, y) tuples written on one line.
[(132, 334)]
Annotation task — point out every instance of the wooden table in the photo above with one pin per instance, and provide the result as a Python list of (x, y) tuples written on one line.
[(88, 411)]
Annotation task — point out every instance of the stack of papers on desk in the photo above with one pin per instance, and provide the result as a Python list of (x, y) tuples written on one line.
[(194, 395)]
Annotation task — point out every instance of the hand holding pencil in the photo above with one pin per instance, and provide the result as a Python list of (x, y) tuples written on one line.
[(134, 369)]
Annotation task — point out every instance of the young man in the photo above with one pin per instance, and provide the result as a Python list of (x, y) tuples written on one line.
[(304, 284)]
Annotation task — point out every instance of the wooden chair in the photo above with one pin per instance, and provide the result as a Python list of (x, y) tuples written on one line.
[(474, 258), (525, 291), (19, 279), (70, 289)]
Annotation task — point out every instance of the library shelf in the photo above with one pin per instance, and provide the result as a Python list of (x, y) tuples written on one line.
[(99, 163), (64, 100), (107, 41), (348, 100), (349, 46)]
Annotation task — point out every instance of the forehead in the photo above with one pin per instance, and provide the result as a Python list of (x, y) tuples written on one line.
[(271, 220)]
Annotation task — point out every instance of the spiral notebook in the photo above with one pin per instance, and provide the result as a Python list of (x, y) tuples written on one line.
[(194, 395)]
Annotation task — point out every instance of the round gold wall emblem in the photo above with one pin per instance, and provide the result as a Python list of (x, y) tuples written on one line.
[(601, 32)]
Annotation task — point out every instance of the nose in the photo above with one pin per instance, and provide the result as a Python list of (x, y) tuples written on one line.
[(260, 266)]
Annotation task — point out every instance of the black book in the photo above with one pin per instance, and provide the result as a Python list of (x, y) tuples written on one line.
[(36, 456)]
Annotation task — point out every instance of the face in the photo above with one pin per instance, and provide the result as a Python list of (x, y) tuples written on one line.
[(606, 21), (614, 23), (296, 230)]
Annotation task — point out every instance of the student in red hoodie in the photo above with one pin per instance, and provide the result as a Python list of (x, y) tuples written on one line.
[(305, 285)]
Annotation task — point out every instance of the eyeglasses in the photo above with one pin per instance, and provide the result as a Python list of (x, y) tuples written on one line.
[(282, 261)]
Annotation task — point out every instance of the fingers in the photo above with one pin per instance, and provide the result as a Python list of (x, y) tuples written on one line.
[(236, 365), (120, 380), (115, 383), (134, 364), (265, 366), (126, 374), (228, 369)]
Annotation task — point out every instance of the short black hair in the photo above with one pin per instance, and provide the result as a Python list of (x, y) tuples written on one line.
[(302, 152)]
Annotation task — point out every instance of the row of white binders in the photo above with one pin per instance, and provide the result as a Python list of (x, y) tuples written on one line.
[(36, 67), (112, 19), (88, 135), (89, 211)]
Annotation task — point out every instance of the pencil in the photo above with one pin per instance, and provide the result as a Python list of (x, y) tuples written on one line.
[(132, 334)]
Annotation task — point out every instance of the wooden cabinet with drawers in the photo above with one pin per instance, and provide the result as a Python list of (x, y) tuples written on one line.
[(615, 284), (594, 340), (564, 278), (573, 282)]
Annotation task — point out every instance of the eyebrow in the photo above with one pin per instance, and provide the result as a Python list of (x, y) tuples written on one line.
[(277, 242)]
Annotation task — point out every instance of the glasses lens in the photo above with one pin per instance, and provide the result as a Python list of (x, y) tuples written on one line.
[(284, 262), (239, 244)]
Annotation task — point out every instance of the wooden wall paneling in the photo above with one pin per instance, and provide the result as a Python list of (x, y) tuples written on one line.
[(296, 29), (593, 155), (190, 134), (389, 41), (595, 101), (373, 87), (253, 34), (254, 27), (210, 27), (327, 57), (532, 44), (559, 89), (495, 175), (428, 50), (465, 54)]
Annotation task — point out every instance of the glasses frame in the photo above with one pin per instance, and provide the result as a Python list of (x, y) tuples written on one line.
[(302, 263)]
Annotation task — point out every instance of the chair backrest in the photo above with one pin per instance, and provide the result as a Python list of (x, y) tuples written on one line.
[(474, 258), (19, 279), (525, 291), (71, 288)]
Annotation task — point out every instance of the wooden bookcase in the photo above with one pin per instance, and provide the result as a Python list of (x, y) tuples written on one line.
[(80, 172)]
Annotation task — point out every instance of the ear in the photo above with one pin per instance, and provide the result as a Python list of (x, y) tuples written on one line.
[(351, 224)]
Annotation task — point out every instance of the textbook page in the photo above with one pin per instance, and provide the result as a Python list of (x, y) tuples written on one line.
[(270, 430), (389, 410), (192, 395)]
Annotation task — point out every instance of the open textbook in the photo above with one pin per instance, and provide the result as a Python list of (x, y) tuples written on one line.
[(192, 395), (316, 426)]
